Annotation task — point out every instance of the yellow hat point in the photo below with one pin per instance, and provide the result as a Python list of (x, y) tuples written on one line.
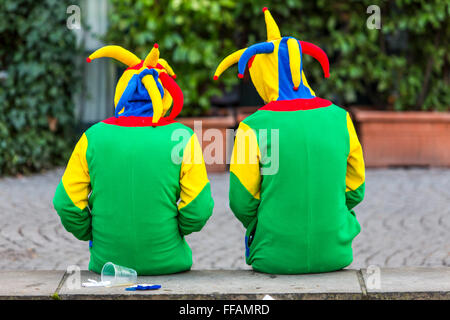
[(152, 58), (228, 62), (273, 32), (115, 52), (294, 61), (167, 67), (153, 91)]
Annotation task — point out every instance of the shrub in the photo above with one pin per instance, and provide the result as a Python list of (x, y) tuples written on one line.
[(402, 66), (190, 35), (37, 55)]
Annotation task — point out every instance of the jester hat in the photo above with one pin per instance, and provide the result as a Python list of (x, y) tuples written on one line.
[(146, 88), (276, 66)]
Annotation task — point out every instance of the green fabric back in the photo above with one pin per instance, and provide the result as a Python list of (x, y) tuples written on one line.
[(134, 200), (303, 223)]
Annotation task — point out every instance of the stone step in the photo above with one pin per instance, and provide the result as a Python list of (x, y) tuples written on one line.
[(382, 283)]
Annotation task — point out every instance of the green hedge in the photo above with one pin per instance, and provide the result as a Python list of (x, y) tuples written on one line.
[(37, 54), (190, 35), (403, 66)]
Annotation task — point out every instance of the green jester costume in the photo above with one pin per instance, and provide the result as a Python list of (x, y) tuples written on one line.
[(131, 186), (297, 169)]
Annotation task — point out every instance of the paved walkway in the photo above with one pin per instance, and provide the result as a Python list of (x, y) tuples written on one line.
[(405, 221)]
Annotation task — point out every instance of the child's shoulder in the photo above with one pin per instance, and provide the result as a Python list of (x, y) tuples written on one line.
[(94, 128)]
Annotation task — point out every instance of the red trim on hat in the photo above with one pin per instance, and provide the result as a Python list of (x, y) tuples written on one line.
[(297, 104), (136, 67), (250, 61), (318, 54), (175, 92)]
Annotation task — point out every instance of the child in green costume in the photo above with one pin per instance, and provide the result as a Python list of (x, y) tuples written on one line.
[(124, 189), (298, 207)]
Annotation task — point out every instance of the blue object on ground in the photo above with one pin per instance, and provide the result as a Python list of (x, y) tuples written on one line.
[(144, 287)]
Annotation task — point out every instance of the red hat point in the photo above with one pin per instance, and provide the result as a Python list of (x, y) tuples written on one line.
[(216, 78), (265, 8), (240, 76), (156, 45), (88, 60)]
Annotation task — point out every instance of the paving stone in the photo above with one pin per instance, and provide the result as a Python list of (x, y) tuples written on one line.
[(405, 218)]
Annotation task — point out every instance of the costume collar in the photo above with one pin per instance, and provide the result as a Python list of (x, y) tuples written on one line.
[(133, 121), (296, 104)]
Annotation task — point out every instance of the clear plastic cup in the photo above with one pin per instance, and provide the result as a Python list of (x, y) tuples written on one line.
[(115, 275)]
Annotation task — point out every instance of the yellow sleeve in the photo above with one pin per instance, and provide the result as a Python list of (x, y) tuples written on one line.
[(71, 196), (196, 203), (76, 179), (355, 177), (245, 175)]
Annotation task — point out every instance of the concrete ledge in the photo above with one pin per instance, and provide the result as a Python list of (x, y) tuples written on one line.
[(229, 284), (29, 284), (410, 283), (401, 283)]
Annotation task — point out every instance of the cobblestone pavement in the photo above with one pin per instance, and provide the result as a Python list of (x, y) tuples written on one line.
[(405, 221)]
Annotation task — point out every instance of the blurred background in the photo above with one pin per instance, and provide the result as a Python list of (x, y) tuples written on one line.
[(389, 65)]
